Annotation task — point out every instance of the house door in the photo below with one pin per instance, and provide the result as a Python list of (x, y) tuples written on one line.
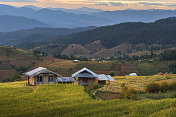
[(45, 80)]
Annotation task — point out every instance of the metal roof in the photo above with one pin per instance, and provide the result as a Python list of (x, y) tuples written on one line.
[(65, 79), (133, 74), (38, 71), (110, 78), (85, 73), (102, 77)]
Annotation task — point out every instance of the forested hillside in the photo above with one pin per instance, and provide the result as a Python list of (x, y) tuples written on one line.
[(106, 41), (159, 32), (126, 38), (36, 35)]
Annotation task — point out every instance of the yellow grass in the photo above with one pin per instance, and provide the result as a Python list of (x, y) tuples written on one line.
[(137, 82), (67, 100)]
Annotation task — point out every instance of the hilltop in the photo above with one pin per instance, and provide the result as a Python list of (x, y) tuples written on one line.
[(124, 38), (14, 61), (36, 36)]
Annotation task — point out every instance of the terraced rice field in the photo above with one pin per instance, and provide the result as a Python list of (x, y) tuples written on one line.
[(137, 82), (70, 100)]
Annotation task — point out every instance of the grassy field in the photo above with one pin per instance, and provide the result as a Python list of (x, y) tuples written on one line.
[(13, 60), (70, 100), (147, 68), (142, 69), (137, 82)]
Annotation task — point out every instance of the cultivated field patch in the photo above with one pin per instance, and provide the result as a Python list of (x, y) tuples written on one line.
[(70, 100)]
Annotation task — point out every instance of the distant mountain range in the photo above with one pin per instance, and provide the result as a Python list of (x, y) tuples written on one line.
[(83, 10), (13, 23), (113, 40), (147, 16), (54, 18), (37, 35), (83, 17)]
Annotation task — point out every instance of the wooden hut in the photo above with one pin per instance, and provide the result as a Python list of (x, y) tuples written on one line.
[(41, 75), (87, 77)]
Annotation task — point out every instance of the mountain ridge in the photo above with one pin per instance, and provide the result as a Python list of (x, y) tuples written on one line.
[(12, 23), (58, 18), (125, 37)]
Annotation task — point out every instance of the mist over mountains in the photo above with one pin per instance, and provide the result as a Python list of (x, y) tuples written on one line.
[(54, 18), (83, 10), (12, 23), (83, 17)]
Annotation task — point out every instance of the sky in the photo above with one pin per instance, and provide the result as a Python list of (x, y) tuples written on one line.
[(97, 4)]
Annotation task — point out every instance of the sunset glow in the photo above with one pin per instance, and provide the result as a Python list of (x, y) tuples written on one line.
[(99, 4)]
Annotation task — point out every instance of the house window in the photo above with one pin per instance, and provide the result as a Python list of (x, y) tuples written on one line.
[(39, 78), (50, 79)]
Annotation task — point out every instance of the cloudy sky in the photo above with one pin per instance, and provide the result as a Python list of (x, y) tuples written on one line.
[(99, 4)]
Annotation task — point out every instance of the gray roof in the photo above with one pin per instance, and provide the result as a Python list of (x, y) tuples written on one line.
[(38, 71), (133, 74), (102, 77), (65, 79), (85, 73), (89, 74), (110, 78)]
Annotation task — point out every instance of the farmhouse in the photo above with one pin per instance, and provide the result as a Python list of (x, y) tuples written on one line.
[(87, 77), (41, 76)]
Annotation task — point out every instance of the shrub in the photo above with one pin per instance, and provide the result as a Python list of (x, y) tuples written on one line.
[(123, 85), (129, 93), (111, 73), (173, 104), (173, 86), (167, 77), (152, 88), (16, 77), (94, 86), (164, 87), (173, 95)]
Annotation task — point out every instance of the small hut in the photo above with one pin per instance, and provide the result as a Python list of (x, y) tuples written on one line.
[(41, 75), (87, 77), (133, 74)]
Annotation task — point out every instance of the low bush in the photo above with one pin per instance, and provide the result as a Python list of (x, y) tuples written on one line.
[(164, 87), (173, 86), (173, 104), (152, 88), (94, 86), (123, 85), (111, 73), (129, 93)]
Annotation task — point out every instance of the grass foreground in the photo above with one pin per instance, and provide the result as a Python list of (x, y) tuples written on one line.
[(70, 100)]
